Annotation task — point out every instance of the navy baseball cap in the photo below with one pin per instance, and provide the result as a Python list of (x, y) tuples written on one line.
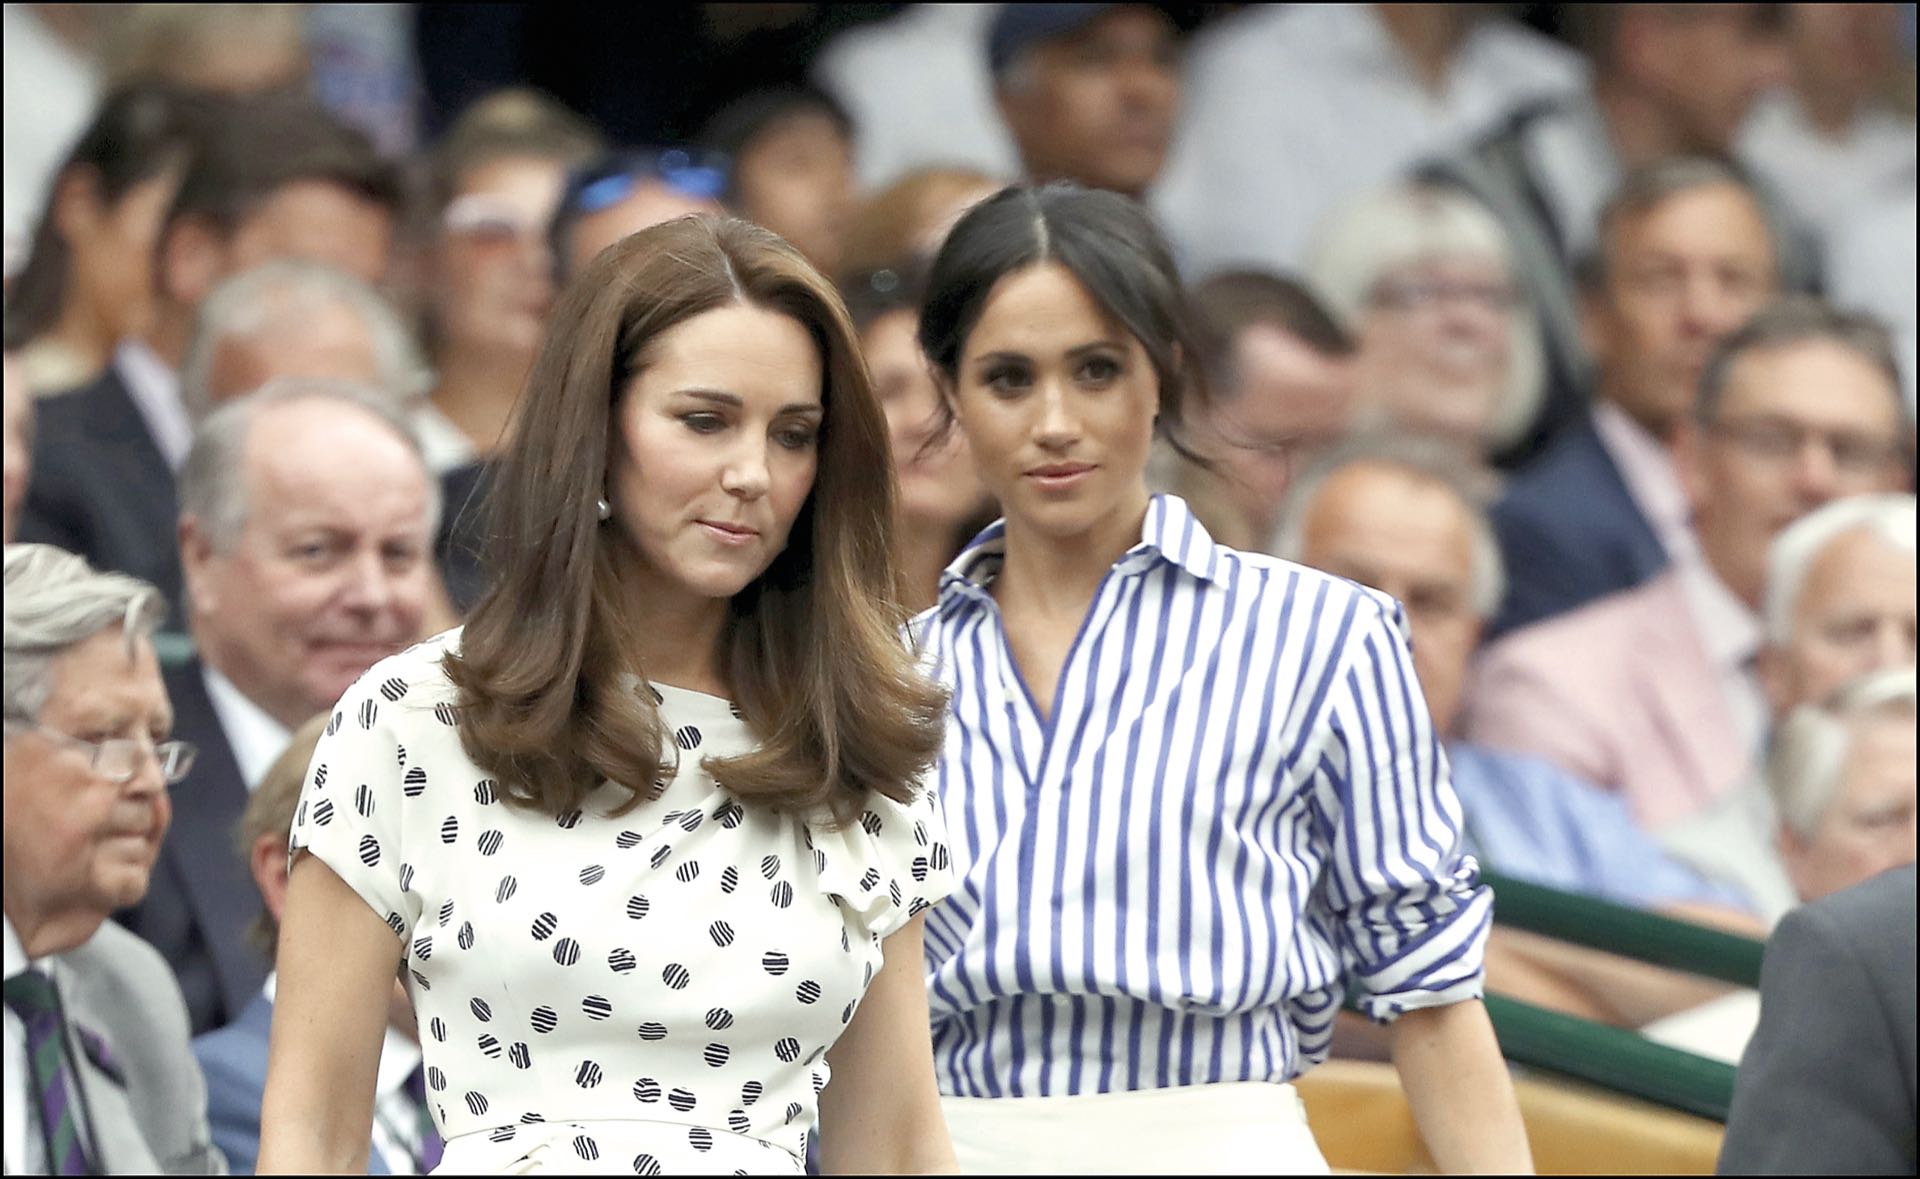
[(1019, 26)]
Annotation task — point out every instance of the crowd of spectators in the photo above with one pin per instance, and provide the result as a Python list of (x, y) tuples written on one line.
[(1594, 350)]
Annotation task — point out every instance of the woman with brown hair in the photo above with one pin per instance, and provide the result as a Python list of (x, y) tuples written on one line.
[(645, 836)]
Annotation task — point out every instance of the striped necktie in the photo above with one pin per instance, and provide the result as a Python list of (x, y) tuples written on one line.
[(33, 997), (427, 1154)]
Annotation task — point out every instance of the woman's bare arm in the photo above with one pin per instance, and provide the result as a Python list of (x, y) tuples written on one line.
[(1456, 1081), (336, 964), (881, 1110)]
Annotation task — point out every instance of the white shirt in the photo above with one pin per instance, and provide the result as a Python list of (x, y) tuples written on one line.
[(1290, 109), (50, 92), (395, 1126), (255, 737), (920, 93), (155, 389), (442, 444), (1823, 178), (1730, 632)]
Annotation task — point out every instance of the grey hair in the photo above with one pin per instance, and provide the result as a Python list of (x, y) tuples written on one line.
[(291, 289), (1430, 459), (1651, 185), (213, 489), (1808, 753), (1799, 319), (1890, 518), (55, 601), (1405, 223)]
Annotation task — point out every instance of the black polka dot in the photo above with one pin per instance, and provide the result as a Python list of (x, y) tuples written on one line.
[(774, 963), (716, 1055), (592, 874), (626, 839), (738, 1121), (621, 961), (490, 1045), (406, 878), (688, 872), (586, 1147), (807, 992), (508, 886), (637, 907), (369, 850), (870, 823), (782, 895), (646, 1089), (691, 820), (436, 1080), (323, 812), (449, 829), (415, 782), (437, 1028), (566, 951), (393, 688), (769, 866), (368, 712), (731, 815), (721, 933), (587, 1075), (687, 737), (446, 714), (502, 1133), (750, 1092), (729, 879), (652, 1031), (869, 880), (675, 976), (700, 1138), (544, 925), (569, 820), (645, 1164), (485, 791), (476, 1103), (333, 723), (596, 1007), (519, 1055), (423, 948), (480, 1010), (681, 1099), (489, 842), (543, 1019), (465, 937), (719, 1019), (846, 1013), (421, 979), (363, 800)]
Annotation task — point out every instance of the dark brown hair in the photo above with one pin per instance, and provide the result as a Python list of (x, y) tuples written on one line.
[(270, 811), (812, 648), (1227, 304)]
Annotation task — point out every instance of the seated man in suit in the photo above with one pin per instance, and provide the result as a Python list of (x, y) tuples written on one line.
[(1398, 513), (273, 178), (1654, 692), (99, 1079), (1684, 257), (1826, 1086), (234, 1058), (307, 519), (1840, 603)]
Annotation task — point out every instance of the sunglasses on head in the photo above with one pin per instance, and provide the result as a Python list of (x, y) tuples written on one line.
[(688, 171)]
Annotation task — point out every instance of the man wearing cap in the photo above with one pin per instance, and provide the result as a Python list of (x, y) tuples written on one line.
[(1089, 91)]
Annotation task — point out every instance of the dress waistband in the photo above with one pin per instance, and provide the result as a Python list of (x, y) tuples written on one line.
[(623, 1146)]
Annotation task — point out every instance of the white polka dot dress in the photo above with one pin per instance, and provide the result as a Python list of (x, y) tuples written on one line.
[(649, 993)]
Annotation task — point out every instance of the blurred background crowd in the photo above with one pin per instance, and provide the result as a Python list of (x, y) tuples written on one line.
[(1586, 331)]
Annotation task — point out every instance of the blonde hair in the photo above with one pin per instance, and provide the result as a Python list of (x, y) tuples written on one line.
[(1409, 222)]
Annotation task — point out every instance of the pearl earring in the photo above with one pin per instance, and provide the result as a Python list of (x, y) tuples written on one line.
[(603, 509)]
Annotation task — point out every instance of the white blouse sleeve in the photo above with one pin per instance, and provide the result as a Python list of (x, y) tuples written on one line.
[(889, 865)]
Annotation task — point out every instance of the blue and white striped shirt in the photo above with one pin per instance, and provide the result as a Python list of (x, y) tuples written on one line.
[(1238, 807)]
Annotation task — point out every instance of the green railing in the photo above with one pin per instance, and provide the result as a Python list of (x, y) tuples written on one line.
[(1612, 1058)]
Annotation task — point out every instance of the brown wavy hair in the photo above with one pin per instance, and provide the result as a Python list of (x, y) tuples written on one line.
[(812, 648)]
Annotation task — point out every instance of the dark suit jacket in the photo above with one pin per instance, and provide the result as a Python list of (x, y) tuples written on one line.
[(101, 488), (461, 549), (142, 1093), (234, 1061), (1570, 532), (203, 898), (1827, 1083)]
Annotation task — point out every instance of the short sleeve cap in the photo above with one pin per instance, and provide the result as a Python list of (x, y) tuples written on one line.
[(890, 864)]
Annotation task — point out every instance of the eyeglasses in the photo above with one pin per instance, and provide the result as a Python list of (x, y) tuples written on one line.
[(118, 759), (692, 173), (1777, 440), (1416, 294)]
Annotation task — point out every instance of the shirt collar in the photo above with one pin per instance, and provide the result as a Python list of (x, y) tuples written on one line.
[(1647, 468), (1728, 626), (1171, 534), (255, 737), (155, 390), (17, 961)]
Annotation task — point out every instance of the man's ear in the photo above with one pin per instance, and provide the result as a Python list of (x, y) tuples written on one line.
[(196, 553), (193, 258)]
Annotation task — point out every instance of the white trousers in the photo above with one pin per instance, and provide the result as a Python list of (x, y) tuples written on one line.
[(1239, 1128)]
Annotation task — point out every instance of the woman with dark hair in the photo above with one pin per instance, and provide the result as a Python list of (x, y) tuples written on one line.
[(1193, 793), (942, 504), (87, 283), (645, 837)]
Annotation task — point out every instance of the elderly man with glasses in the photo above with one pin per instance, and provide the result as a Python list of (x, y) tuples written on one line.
[(99, 1078)]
